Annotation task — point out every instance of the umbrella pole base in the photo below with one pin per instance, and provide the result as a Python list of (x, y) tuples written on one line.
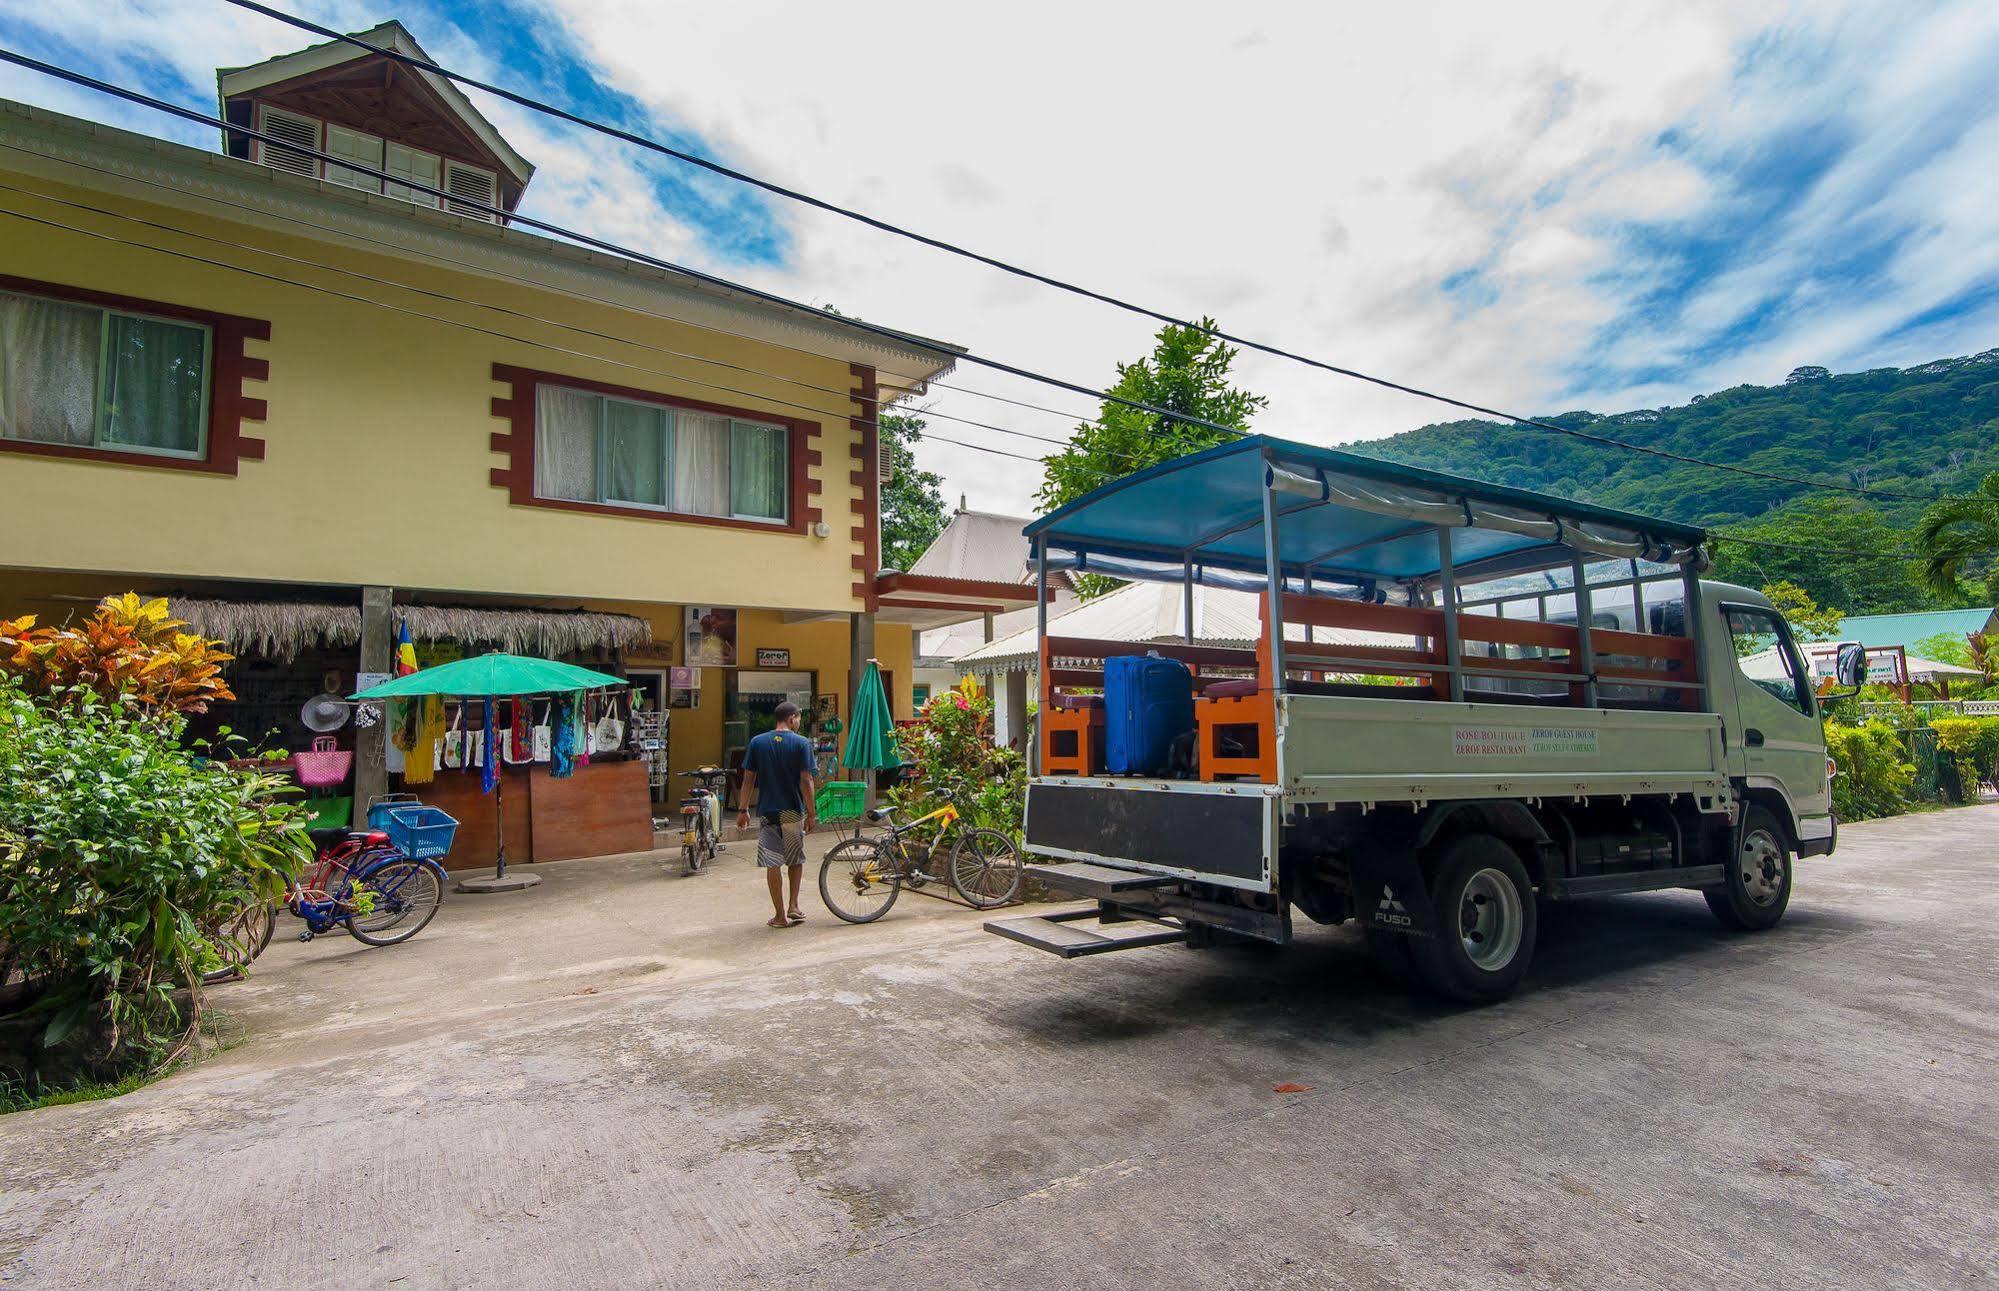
[(497, 883)]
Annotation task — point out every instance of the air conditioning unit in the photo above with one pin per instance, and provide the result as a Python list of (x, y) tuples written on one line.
[(886, 470)]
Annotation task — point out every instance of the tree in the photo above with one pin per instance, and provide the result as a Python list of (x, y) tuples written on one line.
[(1809, 620), (1956, 532), (912, 507), (1187, 374), (1808, 373), (1803, 534)]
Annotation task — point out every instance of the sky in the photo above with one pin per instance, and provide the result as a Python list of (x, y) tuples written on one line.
[(1540, 206)]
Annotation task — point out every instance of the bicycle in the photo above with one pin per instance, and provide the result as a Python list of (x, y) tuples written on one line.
[(861, 877), (382, 885), (700, 818)]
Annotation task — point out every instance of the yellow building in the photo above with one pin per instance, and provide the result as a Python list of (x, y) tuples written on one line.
[(283, 390)]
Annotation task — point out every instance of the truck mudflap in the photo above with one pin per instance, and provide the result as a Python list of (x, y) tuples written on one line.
[(1389, 893)]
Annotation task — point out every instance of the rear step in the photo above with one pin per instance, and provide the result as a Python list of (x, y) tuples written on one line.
[(1052, 933), (1100, 882)]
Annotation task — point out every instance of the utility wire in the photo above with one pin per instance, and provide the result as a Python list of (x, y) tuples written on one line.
[(1046, 280), (842, 394), (1721, 534), (441, 194), (491, 271), (500, 215), (487, 331)]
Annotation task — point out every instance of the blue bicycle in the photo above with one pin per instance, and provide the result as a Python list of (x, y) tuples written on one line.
[(382, 884)]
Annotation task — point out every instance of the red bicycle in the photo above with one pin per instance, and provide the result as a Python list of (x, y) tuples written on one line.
[(383, 885)]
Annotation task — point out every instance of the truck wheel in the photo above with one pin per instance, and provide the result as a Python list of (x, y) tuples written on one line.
[(1757, 888), (1486, 920)]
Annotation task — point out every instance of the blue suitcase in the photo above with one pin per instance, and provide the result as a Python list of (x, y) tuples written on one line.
[(1148, 703)]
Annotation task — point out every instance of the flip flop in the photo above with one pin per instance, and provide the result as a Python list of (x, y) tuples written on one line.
[(794, 918), (777, 923)]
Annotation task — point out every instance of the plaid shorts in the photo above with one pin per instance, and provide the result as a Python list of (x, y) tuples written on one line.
[(781, 841)]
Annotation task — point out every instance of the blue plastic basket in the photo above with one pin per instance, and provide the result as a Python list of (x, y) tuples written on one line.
[(416, 830)]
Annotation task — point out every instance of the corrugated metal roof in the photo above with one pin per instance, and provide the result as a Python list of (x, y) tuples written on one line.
[(978, 544), (1152, 612), (1907, 629)]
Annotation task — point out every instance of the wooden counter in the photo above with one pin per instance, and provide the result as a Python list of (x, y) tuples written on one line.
[(603, 808)]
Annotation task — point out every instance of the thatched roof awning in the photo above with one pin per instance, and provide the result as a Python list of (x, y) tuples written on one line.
[(280, 629)]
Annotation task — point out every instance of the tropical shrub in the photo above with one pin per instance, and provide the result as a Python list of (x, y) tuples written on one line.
[(952, 746), (1972, 743), (130, 649), (1875, 774)]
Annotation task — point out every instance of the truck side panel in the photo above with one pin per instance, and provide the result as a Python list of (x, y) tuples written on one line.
[(1338, 749)]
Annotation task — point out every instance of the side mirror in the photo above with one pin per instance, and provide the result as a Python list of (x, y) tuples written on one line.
[(1851, 668)]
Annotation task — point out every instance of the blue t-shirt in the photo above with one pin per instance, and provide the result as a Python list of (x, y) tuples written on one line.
[(778, 758)]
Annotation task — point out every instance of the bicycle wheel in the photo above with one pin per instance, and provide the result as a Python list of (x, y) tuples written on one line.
[(985, 869), (241, 939), (857, 881), (690, 859), (402, 895)]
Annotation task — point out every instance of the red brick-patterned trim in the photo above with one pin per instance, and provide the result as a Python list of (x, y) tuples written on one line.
[(867, 480), (229, 367), (517, 408)]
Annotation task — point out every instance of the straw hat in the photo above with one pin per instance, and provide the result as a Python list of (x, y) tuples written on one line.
[(324, 712)]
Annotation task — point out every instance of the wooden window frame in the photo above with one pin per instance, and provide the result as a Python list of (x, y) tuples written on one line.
[(225, 445), (519, 409)]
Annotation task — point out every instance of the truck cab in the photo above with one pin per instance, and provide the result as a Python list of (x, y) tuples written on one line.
[(1464, 701)]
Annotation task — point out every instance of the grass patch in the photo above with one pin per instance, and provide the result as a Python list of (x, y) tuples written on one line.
[(26, 1096), (19, 1095)]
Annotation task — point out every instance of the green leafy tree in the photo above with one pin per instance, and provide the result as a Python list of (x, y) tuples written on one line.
[(1187, 374), (1809, 620), (1803, 533), (912, 504), (1957, 534)]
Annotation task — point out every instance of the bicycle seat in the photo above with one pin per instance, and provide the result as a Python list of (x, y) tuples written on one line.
[(878, 814), (325, 838)]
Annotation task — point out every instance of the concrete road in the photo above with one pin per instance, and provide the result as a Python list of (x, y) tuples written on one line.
[(623, 1079)]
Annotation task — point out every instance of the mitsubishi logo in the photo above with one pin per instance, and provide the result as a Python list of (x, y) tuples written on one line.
[(1388, 901), (1391, 911)]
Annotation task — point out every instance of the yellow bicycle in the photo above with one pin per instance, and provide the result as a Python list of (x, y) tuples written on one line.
[(862, 876)]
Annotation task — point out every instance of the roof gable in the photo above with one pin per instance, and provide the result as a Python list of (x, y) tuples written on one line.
[(352, 86)]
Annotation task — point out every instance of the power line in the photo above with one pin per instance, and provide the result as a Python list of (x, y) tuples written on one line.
[(147, 100), (843, 394), (485, 331), (500, 215), (1722, 534), (1046, 280)]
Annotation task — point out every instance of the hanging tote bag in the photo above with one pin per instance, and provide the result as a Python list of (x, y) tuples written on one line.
[(323, 765), (516, 743), (608, 735), (455, 741), (543, 739)]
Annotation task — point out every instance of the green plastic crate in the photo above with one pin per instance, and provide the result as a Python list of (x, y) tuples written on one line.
[(841, 800)]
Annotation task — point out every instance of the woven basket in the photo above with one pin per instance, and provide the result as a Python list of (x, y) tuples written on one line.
[(324, 764)]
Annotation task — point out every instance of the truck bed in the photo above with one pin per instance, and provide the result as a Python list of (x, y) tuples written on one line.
[(1364, 752), (1336, 749)]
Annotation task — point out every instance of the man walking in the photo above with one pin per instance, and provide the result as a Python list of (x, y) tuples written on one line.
[(777, 772)]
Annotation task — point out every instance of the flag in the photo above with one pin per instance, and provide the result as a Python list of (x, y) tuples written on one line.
[(405, 653)]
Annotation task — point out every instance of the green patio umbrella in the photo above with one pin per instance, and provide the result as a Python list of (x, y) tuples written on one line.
[(496, 676), (871, 742)]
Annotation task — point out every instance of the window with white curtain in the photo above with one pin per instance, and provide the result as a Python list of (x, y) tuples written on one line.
[(621, 452), (86, 377)]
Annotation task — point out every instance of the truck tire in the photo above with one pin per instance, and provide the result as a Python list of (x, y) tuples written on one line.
[(1486, 921), (1757, 888)]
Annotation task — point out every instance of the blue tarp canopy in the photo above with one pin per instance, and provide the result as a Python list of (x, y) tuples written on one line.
[(1340, 518)]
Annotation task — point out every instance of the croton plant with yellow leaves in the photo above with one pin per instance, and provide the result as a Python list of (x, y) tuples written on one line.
[(131, 649)]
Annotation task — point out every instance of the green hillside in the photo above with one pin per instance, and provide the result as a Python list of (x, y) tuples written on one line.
[(1922, 430)]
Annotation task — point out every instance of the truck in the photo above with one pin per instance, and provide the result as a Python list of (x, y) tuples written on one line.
[(1466, 700)]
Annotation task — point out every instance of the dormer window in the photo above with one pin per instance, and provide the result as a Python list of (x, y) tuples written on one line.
[(373, 115), (462, 180)]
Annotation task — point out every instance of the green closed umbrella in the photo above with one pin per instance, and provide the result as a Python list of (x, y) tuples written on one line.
[(496, 676), (871, 742)]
